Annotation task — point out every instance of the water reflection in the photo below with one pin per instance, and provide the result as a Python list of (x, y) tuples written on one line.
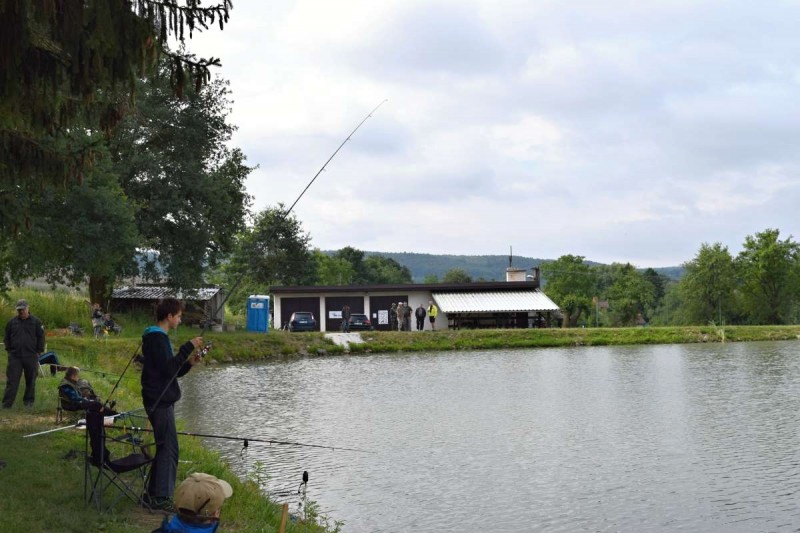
[(693, 437)]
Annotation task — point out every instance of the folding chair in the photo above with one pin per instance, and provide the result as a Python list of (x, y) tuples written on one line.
[(101, 471), (65, 404)]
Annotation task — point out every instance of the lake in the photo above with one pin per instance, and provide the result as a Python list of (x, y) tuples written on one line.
[(699, 437)]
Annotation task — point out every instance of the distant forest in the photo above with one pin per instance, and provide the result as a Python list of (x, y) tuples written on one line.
[(479, 267)]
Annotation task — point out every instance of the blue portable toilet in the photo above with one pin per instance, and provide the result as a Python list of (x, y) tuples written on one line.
[(257, 313)]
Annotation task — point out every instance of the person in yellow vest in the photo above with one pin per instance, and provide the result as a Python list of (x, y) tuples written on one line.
[(432, 312)]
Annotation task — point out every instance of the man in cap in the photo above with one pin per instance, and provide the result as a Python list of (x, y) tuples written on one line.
[(198, 502), (24, 341)]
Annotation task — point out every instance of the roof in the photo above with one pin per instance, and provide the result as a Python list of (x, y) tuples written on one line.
[(149, 292), (408, 287), (494, 301)]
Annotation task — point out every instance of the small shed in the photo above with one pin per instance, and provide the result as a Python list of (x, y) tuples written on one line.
[(202, 304)]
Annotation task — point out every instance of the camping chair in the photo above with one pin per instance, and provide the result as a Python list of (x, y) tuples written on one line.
[(65, 404), (101, 471)]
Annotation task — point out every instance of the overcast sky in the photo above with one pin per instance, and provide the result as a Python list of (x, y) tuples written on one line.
[(617, 130)]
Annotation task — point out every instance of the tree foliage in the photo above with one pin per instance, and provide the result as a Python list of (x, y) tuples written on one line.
[(74, 64), (174, 163), (709, 284), (769, 270), (456, 275), (274, 251), (571, 283)]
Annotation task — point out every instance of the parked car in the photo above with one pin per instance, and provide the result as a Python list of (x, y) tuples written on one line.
[(302, 321), (359, 321)]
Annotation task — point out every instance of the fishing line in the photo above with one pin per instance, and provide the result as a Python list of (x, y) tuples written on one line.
[(247, 440)]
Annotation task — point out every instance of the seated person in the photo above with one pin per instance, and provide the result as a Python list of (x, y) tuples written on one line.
[(110, 325), (198, 502), (77, 394), (51, 359)]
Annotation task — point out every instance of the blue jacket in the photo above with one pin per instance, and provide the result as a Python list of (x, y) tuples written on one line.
[(176, 525), (160, 365)]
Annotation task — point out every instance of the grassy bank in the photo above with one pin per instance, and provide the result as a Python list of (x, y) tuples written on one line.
[(42, 484)]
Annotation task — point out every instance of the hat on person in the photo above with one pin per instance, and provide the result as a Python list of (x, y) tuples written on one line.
[(202, 494), (22, 304)]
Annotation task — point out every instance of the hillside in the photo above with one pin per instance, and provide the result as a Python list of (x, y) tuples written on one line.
[(480, 267)]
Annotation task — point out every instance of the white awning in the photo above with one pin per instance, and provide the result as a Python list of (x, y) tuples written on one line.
[(493, 301)]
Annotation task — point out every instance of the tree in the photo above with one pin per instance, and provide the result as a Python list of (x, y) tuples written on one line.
[(174, 163), (629, 294), (430, 278), (456, 275), (769, 270), (708, 285), (384, 270), (571, 284), (332, 270), (74, 64), (274, 251), (84, 231), (356, 260)]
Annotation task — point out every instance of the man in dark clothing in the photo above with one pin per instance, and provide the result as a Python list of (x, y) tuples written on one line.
[(346, 318), (406, 317), (24, 341), (420, 314), (160, 391)]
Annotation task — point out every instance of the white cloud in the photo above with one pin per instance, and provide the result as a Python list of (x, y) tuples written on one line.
[(616, 130)]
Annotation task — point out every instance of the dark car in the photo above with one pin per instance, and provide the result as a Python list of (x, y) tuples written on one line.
[(302, 321), (360, 321)]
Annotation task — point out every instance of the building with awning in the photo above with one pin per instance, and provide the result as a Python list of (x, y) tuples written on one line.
[(517, 303)]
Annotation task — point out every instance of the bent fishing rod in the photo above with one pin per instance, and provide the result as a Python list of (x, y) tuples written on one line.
[(283, 216), (245, 440)]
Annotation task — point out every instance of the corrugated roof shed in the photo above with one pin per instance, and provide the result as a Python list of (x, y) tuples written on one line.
[(493, 301), (145, 292)]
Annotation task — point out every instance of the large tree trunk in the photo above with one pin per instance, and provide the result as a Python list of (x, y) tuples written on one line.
[(100, 291)]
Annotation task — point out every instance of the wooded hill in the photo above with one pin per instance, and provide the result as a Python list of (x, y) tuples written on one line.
[(480, 267)]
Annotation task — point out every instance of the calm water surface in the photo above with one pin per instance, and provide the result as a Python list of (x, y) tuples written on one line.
[(643, 438)]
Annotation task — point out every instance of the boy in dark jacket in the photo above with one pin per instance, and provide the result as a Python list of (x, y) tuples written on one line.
[(160, 391)]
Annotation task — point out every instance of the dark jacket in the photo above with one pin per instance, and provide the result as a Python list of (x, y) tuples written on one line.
[(420, 312), (160, 365), (24, 337)]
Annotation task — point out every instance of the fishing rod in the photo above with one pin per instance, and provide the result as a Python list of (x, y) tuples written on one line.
[(101, 373), (81, 423), (245, 440), (283, 216)]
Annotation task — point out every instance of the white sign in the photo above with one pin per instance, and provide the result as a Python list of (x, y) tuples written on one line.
[(334, 314), (383, 316), (257, 305)]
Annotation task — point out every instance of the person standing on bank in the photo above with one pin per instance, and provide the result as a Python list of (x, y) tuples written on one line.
[(420, 315), (346, 318), (24, 341), (160, 391), (432, 312)]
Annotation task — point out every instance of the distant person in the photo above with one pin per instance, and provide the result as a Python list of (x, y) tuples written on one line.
[(51, 359), (393, 317), (160, 390), (24, 341), (97, 320), (420, 314), (401, 313), (346, 318), (198, 504), (432, 312), (406, 317)]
